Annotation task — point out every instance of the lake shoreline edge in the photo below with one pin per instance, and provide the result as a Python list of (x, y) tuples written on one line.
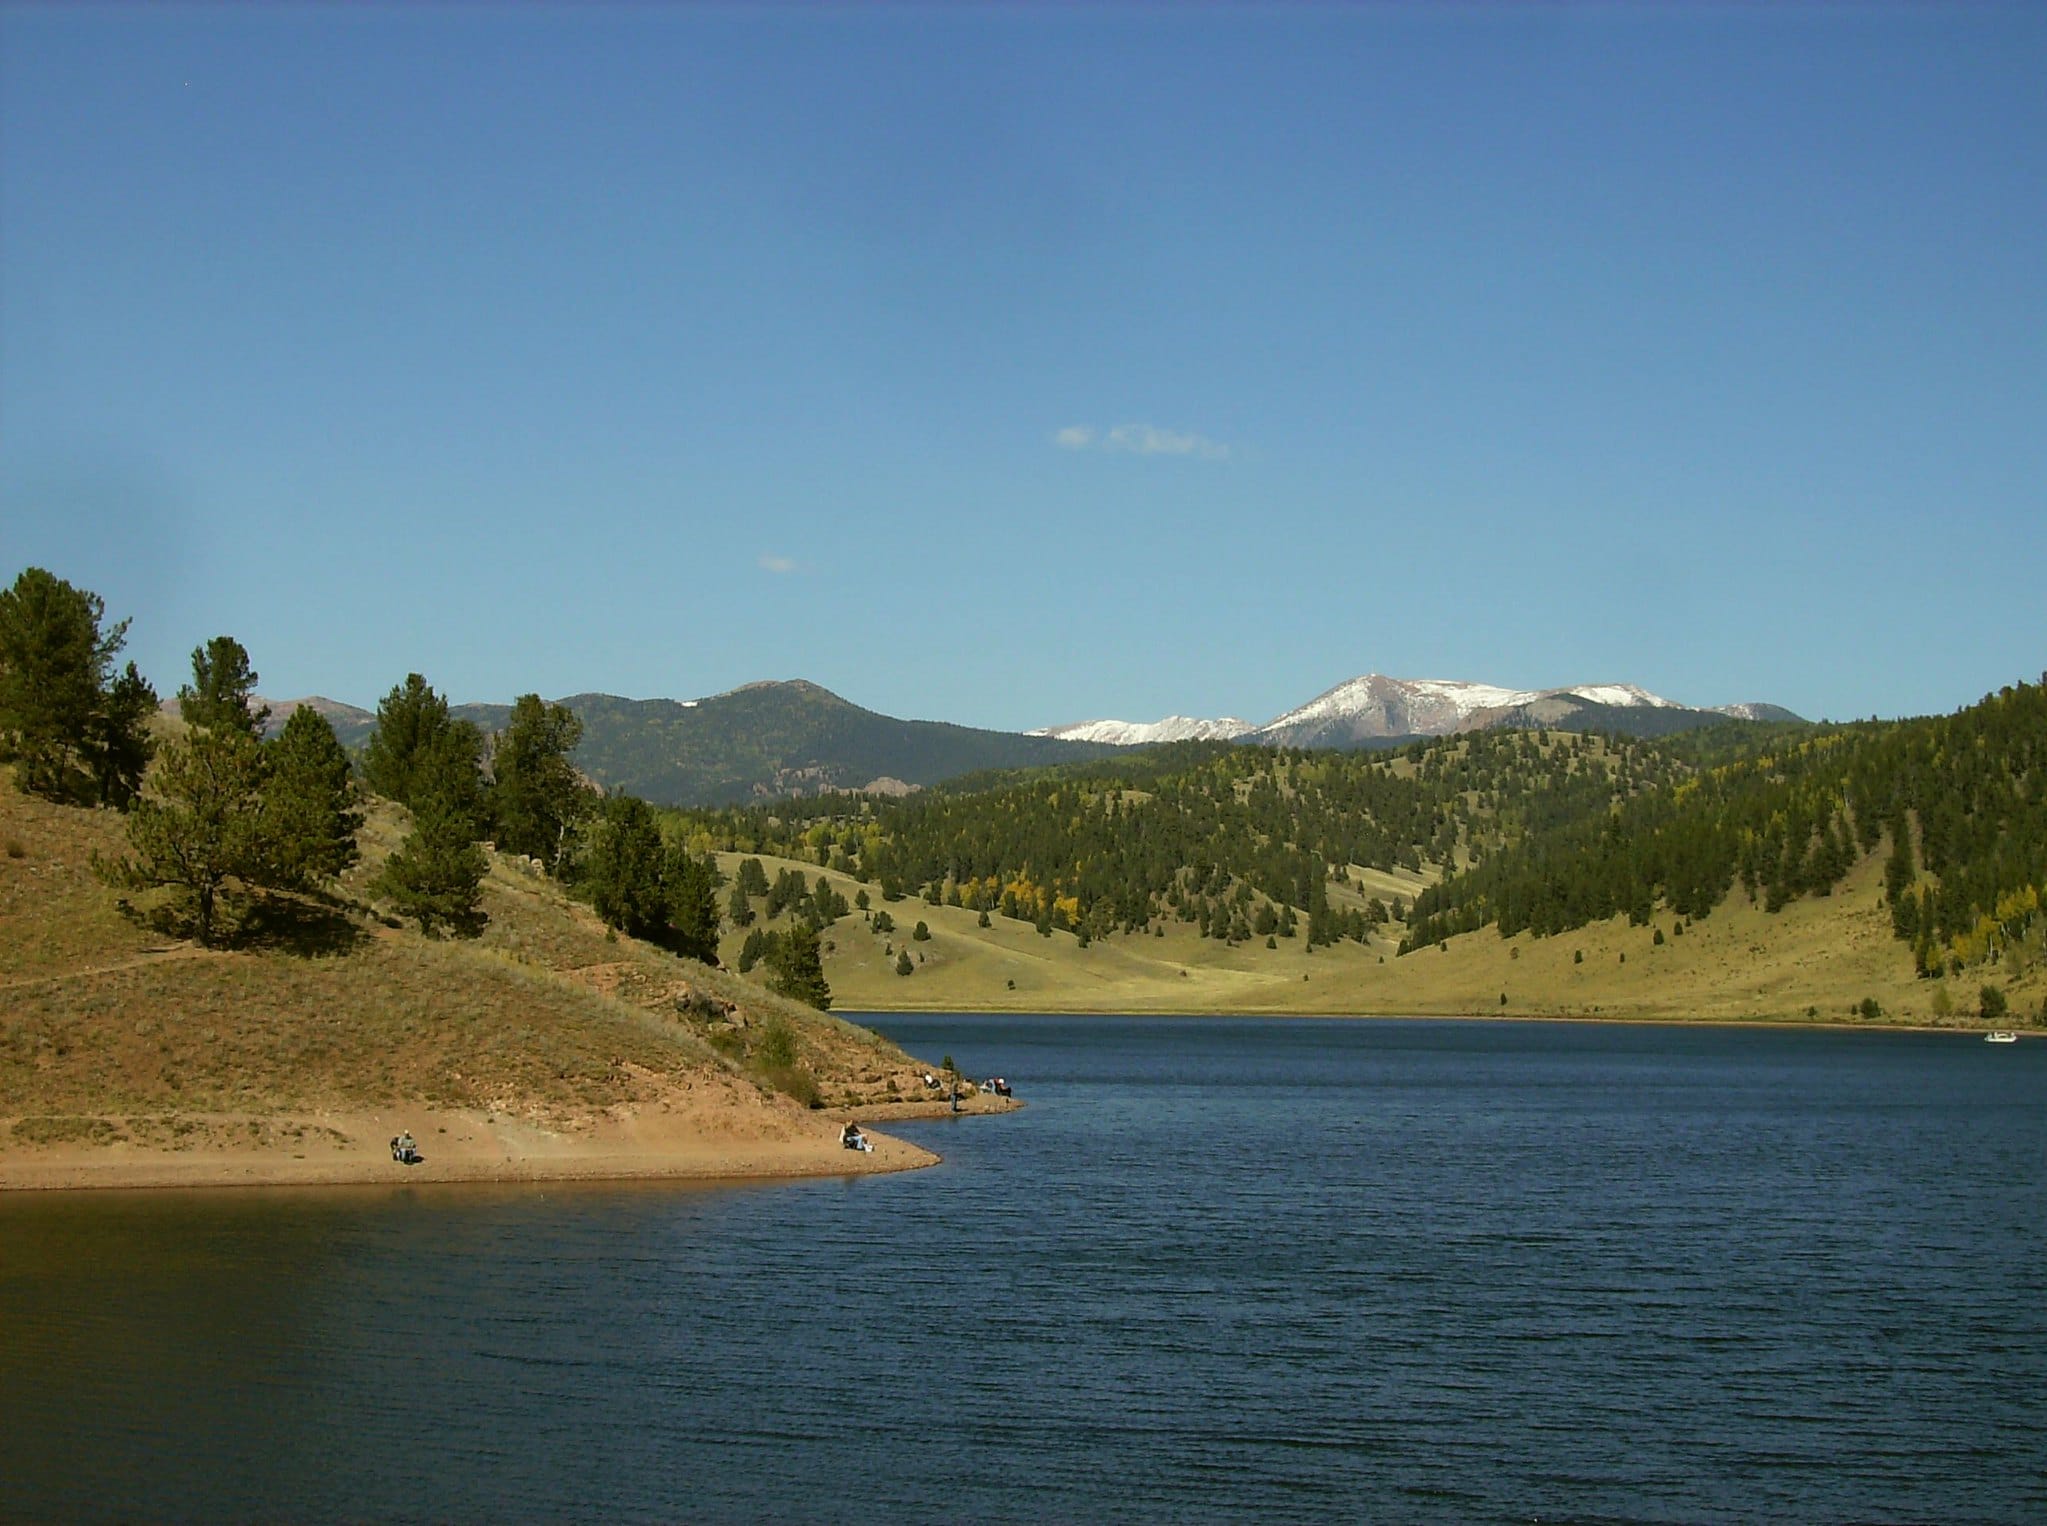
[(1972, 1027), (321, 1148)]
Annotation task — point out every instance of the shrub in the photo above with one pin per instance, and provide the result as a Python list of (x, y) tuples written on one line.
[(777, 1048), (793, 1081), (1991, 1003), (1870, 1009), (64, 1130)]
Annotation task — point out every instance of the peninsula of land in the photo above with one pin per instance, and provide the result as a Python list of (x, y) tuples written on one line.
[(546, 1048)]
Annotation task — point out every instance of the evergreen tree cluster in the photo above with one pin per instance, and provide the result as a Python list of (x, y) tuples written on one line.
[(648, 887), (76, 729), (225, 814), (792, 894), (1957, 803), (794, 959), (518, 787), (1242, 842)]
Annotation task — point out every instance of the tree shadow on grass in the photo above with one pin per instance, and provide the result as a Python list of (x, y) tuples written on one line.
[(307, 926), (304, 926)]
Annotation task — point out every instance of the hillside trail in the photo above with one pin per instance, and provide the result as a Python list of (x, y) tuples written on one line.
[(150, 956)]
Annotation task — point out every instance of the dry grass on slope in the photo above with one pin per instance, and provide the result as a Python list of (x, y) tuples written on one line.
[(545, 1016)]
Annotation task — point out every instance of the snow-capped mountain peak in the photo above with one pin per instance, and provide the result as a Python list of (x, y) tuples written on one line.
[(1373, 707), (1416, 706), (1174, 728), (1620, 695)]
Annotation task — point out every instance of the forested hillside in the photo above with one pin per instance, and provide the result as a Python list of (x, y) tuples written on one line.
[(1957, 804), (1526, 832), (1245, 841)]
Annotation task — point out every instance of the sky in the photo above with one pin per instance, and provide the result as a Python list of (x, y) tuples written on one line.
[(1020, 365)]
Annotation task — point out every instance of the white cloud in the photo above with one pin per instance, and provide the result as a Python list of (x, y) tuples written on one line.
[(1141, 440), (779, 565)]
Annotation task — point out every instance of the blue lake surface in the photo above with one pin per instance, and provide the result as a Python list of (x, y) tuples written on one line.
[(1297, 1270)]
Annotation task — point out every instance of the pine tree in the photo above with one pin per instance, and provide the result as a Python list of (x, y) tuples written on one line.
[(798, 968), (625, 870), (536, 796), (59, 707), (223, 683), (739, 910), (418, 748), (197, 825), (753, 949), (1899, 875), (692, 891), (308, 817), (118, 746), (437, 873)]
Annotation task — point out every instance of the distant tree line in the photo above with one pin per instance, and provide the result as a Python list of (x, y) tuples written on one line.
[(1244, 843)]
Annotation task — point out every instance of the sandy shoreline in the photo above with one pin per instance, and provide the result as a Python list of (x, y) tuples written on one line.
[(335, 1148)]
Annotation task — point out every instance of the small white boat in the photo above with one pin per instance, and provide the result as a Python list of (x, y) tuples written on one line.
[(2000, 1036)]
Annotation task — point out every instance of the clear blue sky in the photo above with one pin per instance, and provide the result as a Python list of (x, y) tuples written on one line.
[(1026, 365)]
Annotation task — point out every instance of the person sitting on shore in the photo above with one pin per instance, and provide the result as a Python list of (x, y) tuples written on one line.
[(404, 1149), (852, 1138)]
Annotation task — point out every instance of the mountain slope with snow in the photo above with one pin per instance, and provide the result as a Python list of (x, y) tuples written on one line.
[(1174, 728), (1374, 708)]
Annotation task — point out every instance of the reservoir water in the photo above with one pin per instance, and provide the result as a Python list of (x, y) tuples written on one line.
[(1297, 1270)]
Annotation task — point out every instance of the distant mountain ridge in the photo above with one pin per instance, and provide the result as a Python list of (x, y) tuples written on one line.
[(772, 740), (1374, 709), (764, 741)]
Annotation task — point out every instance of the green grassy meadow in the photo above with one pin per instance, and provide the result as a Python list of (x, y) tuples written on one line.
[(1816, 960)]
